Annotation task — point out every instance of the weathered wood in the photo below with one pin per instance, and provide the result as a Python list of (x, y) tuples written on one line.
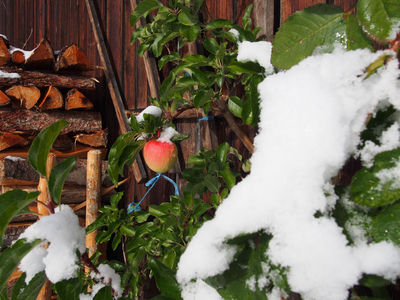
[(27, 95), (30, 120), (263, 14), (72, 58), (12, 233), (138, 168), (8, 140), (97, 139), (93, 196), (4, 53), (345, 4), (4, 99), (53, 99), (44, 79), (76, 100), (288, 7), (18, 171), (42, 56)]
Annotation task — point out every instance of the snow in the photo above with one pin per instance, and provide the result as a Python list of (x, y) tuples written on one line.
[(167, 134), (391, 176), (311, 118), (64, 235), (389, 140), (150, 110), (3, 36), (14, 158), (9, 75), (200, 290), (108, 275), (259, 52), (26, 53)]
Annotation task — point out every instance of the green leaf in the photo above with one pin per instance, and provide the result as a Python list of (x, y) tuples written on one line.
[(211, 45), (127, 230), (202, 97), (186, 18), (122, 152), (12, 203), (174, 56), (10, 258), (57, 177), (246, 20), (228, 176), (378, 17), (377, 64), (218, 23), (373, 281), (356, 38), (143, 9), (179, 137), (31, 291), (190, 32), (235, 105), (297, 38), (367, 189), (222, 151), (41, 145), (212, 183), (104, 294), (386, 226), (165, 279), (68, 289), (19, 286), (238, 68)]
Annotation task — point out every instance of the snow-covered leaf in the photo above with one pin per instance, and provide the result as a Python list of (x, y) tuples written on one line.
[(386, 226)]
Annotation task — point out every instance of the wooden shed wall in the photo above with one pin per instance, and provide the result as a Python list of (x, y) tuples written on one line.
[(63, 22)]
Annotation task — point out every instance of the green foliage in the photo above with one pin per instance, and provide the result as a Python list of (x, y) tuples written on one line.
[(12, 204), (57, 177), (41, 145), (386, 225), (69, 289), (21, 291), (165, 279)]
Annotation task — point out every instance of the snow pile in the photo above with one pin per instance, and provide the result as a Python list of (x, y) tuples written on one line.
[(311, 118), (259, 52), (26, 53), (149, 110), (9, 75), (389, 140), (64, 235), (167, 134)]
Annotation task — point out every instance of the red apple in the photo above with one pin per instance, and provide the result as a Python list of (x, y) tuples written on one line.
[(160, 156)]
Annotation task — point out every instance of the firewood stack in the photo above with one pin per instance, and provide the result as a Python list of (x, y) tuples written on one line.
[(37, 88)]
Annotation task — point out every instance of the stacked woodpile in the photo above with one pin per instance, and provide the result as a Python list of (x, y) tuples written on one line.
[(37, 88)]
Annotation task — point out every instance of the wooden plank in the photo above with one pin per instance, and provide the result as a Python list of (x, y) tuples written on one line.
[(288, 7), (129, 57), (345, 4), (139, 170), (263, 14)]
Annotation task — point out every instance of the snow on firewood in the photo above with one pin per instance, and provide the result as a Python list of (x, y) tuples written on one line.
[(4, 74), (64, 236), (310, 123)]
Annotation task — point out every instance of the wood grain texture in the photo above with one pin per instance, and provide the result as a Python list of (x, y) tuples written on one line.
[(288, 7)]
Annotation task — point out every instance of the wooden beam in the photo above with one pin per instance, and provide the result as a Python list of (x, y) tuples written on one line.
[(138, 169), (264, 17)]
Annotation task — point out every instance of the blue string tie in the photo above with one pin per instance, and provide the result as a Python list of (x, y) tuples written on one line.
[(206, 118), (152, 182)]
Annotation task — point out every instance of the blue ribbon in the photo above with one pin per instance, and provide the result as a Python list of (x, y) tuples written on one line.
[(206, 118), (136, 206)]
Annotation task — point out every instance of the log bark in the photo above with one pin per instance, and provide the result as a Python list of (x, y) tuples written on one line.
[(52, 99), (93, 196), (97, 139), (5, 55), (72, 58), (42, 56), (27, 95), (4, 99), (44, 79), (34, 121), (76, 100), (18, 171), (8, 140)]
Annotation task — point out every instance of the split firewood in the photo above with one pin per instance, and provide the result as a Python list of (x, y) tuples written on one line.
[(97, 139), (31, 120), (27, 95), (42, 57), (76, 100), (18, 57), (4, 99), (8, 140), (5, 55), (52, 99), (72, 58)]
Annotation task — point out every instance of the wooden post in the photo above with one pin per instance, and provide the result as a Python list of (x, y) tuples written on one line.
[(93, 195), (264, 17), (44, 197)]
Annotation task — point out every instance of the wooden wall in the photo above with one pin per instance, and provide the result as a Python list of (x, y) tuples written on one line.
[(63, 22)]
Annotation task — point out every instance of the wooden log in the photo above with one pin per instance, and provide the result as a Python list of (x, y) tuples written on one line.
[(17, 171), (93, 196), (27, 95), (5, 55), (4, 99), (12, 233), (76, 100), (44, 79), (52, 99), (8, 140), (72, 58), (18, 57), (97, 139), (42, 57), (34, 121)]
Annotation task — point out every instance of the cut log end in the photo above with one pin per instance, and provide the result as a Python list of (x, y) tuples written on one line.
[(97, 139), (8, 140), (52, 100), (4, 99), (76, 100), (42, 56), (27, 95), (72, 58), (5, 55), (18, 57)]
